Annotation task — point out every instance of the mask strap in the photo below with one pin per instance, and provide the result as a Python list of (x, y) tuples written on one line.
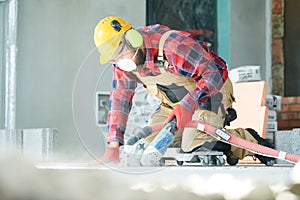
[(135, 53)]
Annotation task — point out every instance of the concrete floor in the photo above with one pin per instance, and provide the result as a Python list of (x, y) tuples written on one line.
[(254, 181), (23, 179), (275, 174)]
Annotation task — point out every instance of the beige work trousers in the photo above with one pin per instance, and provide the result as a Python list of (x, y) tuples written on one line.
[(190, 138)]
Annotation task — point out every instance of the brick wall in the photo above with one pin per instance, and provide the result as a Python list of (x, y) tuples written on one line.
[(277, 47), (289, 115)]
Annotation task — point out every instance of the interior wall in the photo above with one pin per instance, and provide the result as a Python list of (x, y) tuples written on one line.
[(54, 39), (247, 34)]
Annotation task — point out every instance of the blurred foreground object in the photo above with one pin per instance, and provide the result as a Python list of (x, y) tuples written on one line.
[(36, 144)]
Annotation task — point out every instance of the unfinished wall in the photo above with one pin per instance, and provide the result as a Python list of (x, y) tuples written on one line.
[(54, 38)]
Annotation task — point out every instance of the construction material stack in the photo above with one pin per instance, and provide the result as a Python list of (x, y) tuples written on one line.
[(273, 102)]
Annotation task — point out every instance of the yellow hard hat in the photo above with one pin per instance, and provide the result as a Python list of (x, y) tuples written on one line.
[(108, 35)]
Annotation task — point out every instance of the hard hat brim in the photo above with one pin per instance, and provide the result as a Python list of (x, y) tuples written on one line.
[(106, 56), (108, 49)]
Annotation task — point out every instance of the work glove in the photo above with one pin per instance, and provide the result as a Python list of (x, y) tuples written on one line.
[(183, 116), (111, 154)]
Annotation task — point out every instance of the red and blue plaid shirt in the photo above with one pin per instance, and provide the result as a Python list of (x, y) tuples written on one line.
[(187, 57)]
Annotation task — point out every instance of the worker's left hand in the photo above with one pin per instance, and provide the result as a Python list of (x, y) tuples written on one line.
[(183, 116), (111, 154)]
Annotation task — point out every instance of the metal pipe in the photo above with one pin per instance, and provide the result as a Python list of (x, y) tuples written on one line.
[(10, 58)]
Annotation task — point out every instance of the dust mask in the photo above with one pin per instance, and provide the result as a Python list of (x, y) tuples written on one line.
[(127, 64)]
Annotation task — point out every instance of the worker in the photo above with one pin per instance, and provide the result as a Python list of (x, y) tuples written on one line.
[(190, 80)]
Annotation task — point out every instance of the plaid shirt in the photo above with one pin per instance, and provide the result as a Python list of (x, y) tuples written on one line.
[(187, 57)]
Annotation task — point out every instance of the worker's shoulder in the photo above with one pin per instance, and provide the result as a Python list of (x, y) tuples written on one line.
[(154, 28), (161, 29)]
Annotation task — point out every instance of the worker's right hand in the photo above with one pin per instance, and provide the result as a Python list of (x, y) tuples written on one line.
[(183, 116)]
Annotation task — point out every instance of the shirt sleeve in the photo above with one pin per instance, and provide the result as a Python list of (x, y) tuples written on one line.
[(188, 58), (124, 85)]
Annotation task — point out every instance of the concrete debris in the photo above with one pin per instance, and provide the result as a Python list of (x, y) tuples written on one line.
[(143, 106)]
